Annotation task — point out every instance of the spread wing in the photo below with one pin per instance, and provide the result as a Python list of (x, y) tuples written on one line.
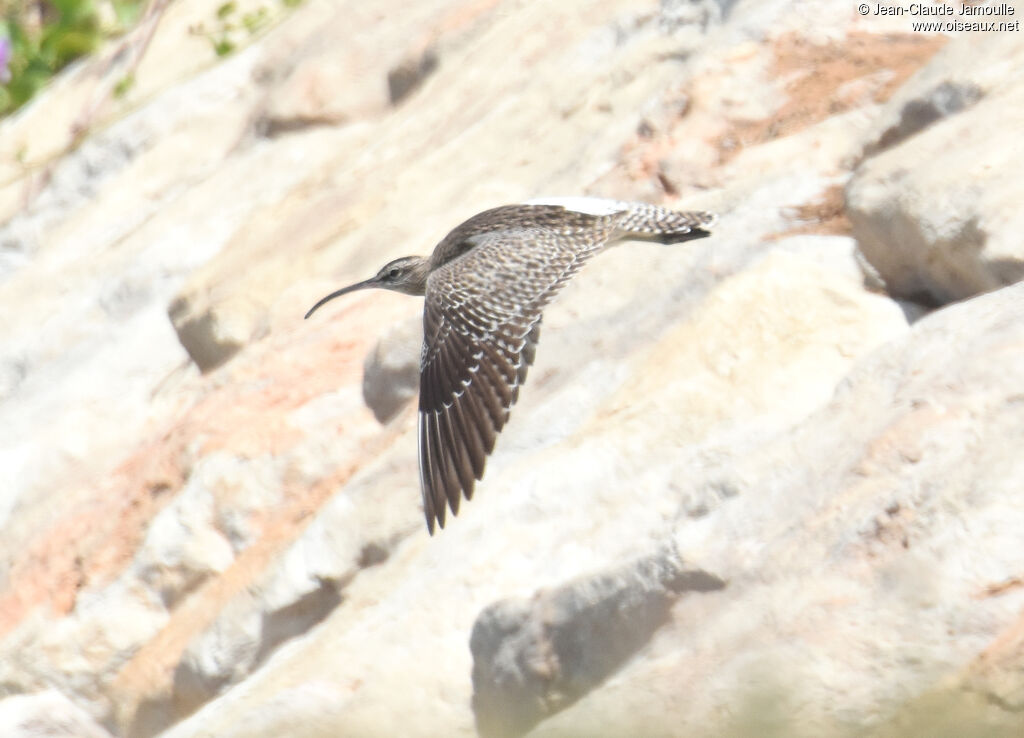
[(481, 323)]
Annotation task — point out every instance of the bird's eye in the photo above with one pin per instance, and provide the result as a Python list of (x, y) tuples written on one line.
[(393, 272)]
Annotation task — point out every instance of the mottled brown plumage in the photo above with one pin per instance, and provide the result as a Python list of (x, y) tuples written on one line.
[(486, 285)]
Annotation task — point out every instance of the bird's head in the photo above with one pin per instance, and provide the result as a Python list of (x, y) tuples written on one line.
[(407, 275)]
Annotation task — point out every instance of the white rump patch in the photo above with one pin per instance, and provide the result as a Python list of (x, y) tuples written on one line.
[(587, 205)]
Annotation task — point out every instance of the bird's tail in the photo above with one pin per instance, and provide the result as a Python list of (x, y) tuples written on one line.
[(643, 222)]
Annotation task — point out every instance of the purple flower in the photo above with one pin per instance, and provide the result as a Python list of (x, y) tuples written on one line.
[(5, 57)]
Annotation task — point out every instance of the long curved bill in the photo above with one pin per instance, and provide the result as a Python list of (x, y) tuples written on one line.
[(343, 291)]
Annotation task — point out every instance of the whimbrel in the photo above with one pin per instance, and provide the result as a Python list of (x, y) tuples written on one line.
[(486, 285)]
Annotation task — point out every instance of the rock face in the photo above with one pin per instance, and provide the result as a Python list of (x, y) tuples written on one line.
[(890, 499), (533, 659), (46, 715), (934, 206), (210, 511), (404, 78), (391, 373)]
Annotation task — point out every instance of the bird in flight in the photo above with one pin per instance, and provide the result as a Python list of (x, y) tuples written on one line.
[(486, 286)]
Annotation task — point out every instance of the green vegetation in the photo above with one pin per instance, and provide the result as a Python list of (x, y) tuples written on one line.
[(38, 38), (231, 26)]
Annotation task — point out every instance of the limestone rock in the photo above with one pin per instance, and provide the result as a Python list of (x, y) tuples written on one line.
[(404, 78), (183, 546), (310, 80), (920, 111), (323, 87), (889, 499), (212, 334), (532, 659), (225, 654), (247, 633), (301, 589), (80, 654), (46, 714), (935, 212), (391, 372), (967, 70)]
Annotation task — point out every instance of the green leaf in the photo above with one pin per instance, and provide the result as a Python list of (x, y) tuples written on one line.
[(123, 85), (223, 46), (226, 9), (73, 44), (255, 20), (74, 13), (24, 86)]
